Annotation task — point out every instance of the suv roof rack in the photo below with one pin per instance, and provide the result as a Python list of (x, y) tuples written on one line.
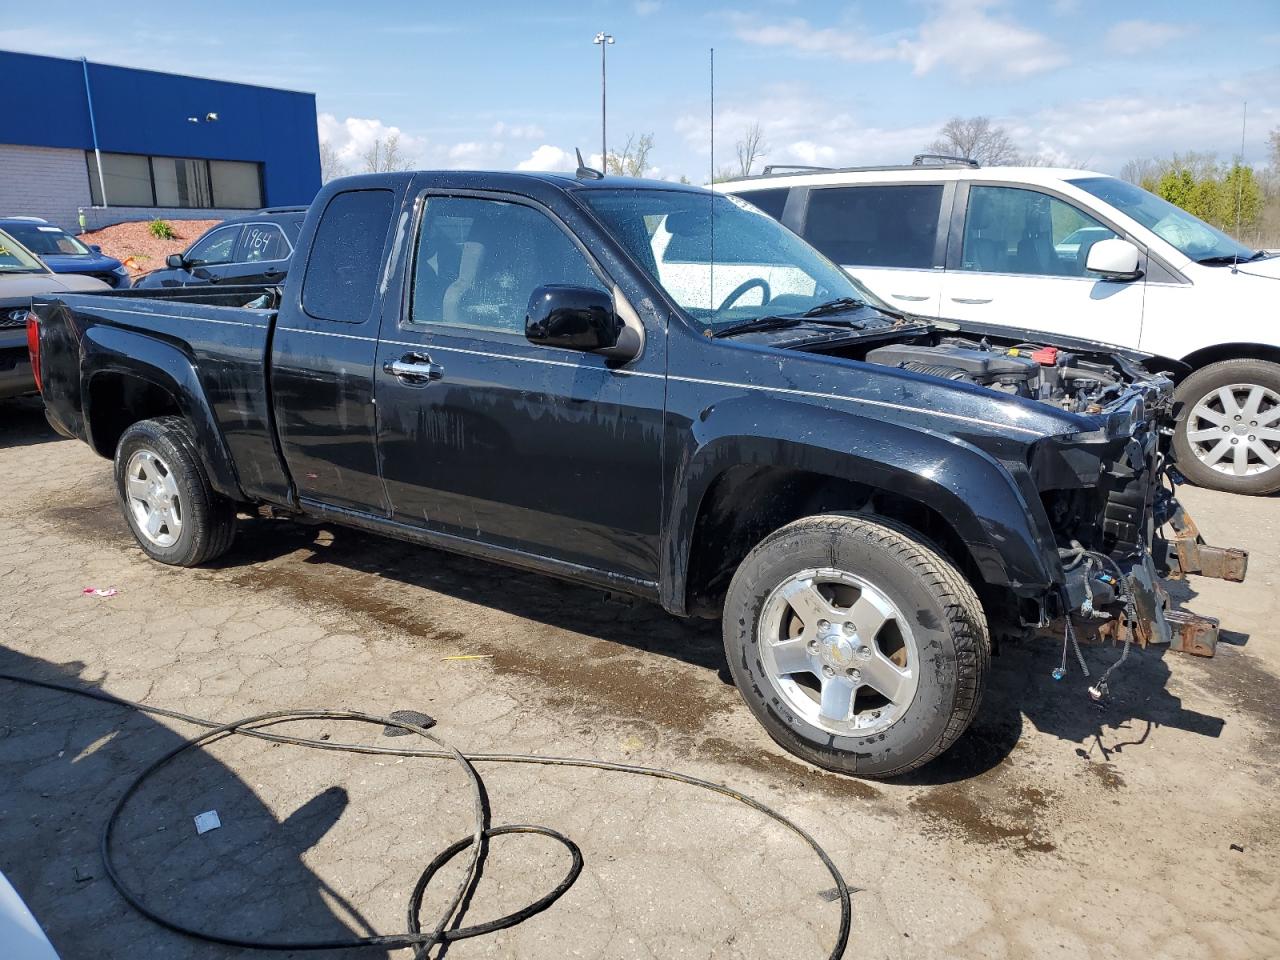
[(919, 160), (281, 210)]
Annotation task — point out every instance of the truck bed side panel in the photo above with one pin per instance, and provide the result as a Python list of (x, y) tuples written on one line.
[(210, 357)]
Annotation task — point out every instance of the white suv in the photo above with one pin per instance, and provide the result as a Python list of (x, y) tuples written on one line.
[(1068, 252)]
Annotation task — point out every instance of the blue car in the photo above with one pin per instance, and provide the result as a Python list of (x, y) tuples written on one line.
[(63, 253)]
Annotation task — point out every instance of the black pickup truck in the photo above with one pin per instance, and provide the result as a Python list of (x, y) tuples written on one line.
[(660, 391)]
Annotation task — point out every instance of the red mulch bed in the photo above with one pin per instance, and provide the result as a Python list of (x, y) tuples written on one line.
[(133, 245)]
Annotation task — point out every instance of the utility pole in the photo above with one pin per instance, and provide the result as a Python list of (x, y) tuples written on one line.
[(603, 40)]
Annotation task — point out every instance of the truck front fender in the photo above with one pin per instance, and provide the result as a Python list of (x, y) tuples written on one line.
[(106, 350), (977, 495)]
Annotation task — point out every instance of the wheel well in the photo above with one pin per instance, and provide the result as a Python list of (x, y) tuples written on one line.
[(747, 503), (1231, 351), (119, 400)]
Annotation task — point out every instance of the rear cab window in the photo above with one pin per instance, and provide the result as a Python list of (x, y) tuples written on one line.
[(341, 281), (877, 225)]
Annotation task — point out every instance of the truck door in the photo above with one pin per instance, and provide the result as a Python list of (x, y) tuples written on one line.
[(486, 437), (322, 357)]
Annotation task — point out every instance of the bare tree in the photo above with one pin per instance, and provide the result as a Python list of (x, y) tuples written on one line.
[(384, 156), (331, 164), (977, 139), (633, 161), (750, 149)]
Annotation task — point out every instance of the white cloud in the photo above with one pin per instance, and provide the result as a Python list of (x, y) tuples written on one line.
[(548, 157), (963, 35), (1131, 37), (517, 131), (799, 35), (968, 36), (475, 153), (352, 136)]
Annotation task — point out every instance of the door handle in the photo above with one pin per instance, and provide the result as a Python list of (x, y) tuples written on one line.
[(970, 299), (414, 368), (907, 296)]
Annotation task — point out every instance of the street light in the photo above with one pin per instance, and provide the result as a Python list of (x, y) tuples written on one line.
[(603, 39)]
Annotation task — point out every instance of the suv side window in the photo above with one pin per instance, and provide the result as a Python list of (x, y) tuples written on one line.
[(1017, 230), (876, 225), (346, 253), (772, 201), (261, 242), (215, 248), (478, 262)]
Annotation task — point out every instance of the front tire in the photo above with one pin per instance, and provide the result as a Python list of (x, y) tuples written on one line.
[(165, 494), (1228, 431), (856, 644)]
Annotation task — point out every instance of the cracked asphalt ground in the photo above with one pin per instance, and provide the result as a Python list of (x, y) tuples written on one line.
[(1055, 828)]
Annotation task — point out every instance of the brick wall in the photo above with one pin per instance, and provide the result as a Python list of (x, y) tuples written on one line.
[(54, 184), (43, 182)]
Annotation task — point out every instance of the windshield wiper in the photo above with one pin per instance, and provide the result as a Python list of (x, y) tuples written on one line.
[(1226, 258), (757, 323), (834, 306)]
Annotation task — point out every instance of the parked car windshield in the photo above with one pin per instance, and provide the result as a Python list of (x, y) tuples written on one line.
[(1172, 224), (14, 258), (718, 257), (45, 240)]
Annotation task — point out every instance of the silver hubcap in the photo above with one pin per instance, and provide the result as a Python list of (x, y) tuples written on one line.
[(838, 652), (153, 498), (1236, 429)]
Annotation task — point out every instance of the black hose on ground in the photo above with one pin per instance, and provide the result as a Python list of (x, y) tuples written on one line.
[(475, 843)]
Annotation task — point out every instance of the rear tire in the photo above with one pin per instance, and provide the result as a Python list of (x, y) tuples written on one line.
[(1228, 431), (838, 609), (167, 499)]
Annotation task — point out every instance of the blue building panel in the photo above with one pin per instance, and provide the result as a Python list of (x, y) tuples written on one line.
[(146, 112)]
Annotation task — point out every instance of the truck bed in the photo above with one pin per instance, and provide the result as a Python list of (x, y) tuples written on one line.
[(216, 341)]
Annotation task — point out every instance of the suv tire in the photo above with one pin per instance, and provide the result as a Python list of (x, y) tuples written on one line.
[(842, 609), (1229, 421), (165, 494)]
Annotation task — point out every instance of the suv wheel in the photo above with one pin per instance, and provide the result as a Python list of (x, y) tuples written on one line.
[(856, 645), (172, 510), (1228, 431)]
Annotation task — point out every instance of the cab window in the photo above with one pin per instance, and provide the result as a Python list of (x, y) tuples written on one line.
[(478, 262), (261, 242)]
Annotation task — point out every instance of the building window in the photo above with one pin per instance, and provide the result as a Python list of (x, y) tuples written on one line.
[(138, 181)]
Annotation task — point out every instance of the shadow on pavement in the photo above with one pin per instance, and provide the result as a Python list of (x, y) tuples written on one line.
[(64, 762), (22, 423)]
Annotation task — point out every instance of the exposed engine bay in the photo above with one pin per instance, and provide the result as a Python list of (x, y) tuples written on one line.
[(1049, 374)]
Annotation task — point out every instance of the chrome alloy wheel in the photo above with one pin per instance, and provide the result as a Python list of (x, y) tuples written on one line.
[(838, 652), (1235, 429), (153, 498)]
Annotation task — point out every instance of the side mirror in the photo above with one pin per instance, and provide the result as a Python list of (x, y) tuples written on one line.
[(174, 261), (95, 248), (579, 318), (1114, 259)]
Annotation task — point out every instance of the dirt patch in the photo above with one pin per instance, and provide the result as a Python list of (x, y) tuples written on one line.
[(795, 773), (98, 520), (133, 245), (1107, 775), (1011, 820), (1242, 681)]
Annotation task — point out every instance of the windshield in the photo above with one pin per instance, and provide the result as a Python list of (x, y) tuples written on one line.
[(44, 240), (14, 258), (728, 268), (1175, 226)]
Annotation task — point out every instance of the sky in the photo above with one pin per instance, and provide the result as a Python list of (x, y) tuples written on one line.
[(516, 85)]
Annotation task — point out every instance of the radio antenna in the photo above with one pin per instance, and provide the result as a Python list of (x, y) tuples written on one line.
[(1239, 172), (711, 279)]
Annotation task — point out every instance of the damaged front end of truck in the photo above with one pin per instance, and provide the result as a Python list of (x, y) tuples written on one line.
[(1110, 495)]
